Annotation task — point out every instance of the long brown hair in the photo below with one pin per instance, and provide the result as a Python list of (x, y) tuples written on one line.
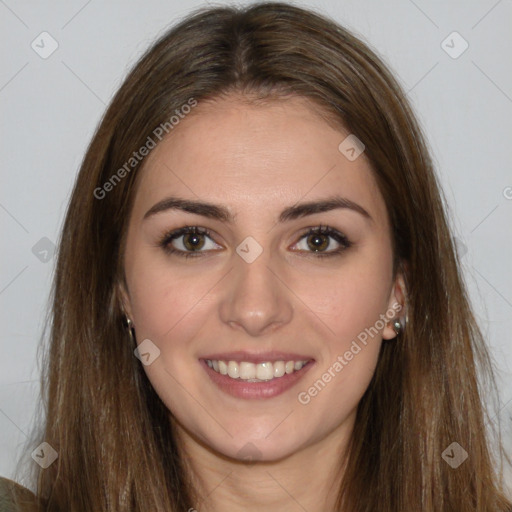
[(117, 450)]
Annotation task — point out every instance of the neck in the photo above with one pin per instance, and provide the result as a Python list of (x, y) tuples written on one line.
[(307, 479)]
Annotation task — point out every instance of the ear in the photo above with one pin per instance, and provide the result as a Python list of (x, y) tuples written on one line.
[(124, 299), (398, 304)]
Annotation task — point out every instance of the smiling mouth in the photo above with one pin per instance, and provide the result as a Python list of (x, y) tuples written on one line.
[(255, 372)]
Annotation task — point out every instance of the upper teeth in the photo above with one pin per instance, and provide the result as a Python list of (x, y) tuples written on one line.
[(255, 372)]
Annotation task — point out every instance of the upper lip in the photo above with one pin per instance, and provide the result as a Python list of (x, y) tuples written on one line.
[(256, 357)]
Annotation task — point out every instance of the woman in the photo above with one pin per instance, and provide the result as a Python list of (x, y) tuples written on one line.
[(257, 300)]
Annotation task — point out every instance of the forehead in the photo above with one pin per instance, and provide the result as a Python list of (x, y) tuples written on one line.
[(255, 159)]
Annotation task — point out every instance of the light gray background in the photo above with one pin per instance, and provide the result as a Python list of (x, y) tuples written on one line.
[(50, 108)]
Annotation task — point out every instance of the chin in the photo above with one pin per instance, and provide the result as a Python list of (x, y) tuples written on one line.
[(253, 451)]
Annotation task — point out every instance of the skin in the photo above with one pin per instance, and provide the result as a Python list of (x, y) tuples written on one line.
[(257, 160)]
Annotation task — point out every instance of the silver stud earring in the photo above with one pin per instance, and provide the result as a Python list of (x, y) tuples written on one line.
[(131, 330), (399, 324)]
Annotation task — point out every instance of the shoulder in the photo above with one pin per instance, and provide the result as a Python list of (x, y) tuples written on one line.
[(12, 493)]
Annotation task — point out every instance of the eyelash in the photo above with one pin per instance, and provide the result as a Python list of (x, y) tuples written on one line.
[(166, 240)]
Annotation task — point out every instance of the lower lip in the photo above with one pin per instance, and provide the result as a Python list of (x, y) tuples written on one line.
[(242, 389)]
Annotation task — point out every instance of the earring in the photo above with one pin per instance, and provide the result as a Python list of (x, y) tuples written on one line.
[(131, 330), (399, 324)]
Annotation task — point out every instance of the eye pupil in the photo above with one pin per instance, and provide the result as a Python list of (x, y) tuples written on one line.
[(197, 242), (318, 243)]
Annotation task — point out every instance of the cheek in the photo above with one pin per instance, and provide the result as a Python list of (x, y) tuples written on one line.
[(350, 304), (170, 311), (351, 297), (350, 349), (164, 306)]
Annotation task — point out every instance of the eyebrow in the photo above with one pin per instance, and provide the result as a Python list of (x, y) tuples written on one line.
[(221, 213)]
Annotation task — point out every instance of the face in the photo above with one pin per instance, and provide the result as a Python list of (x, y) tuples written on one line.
[(261, 331)]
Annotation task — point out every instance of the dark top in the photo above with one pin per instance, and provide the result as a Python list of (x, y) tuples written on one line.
[(12, 493)]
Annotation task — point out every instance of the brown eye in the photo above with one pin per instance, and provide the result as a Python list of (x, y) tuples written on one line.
[(187, 241), (319, 239), (317, 242), (193, 241)]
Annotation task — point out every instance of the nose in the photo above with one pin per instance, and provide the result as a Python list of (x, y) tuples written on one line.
[(256, 299)]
